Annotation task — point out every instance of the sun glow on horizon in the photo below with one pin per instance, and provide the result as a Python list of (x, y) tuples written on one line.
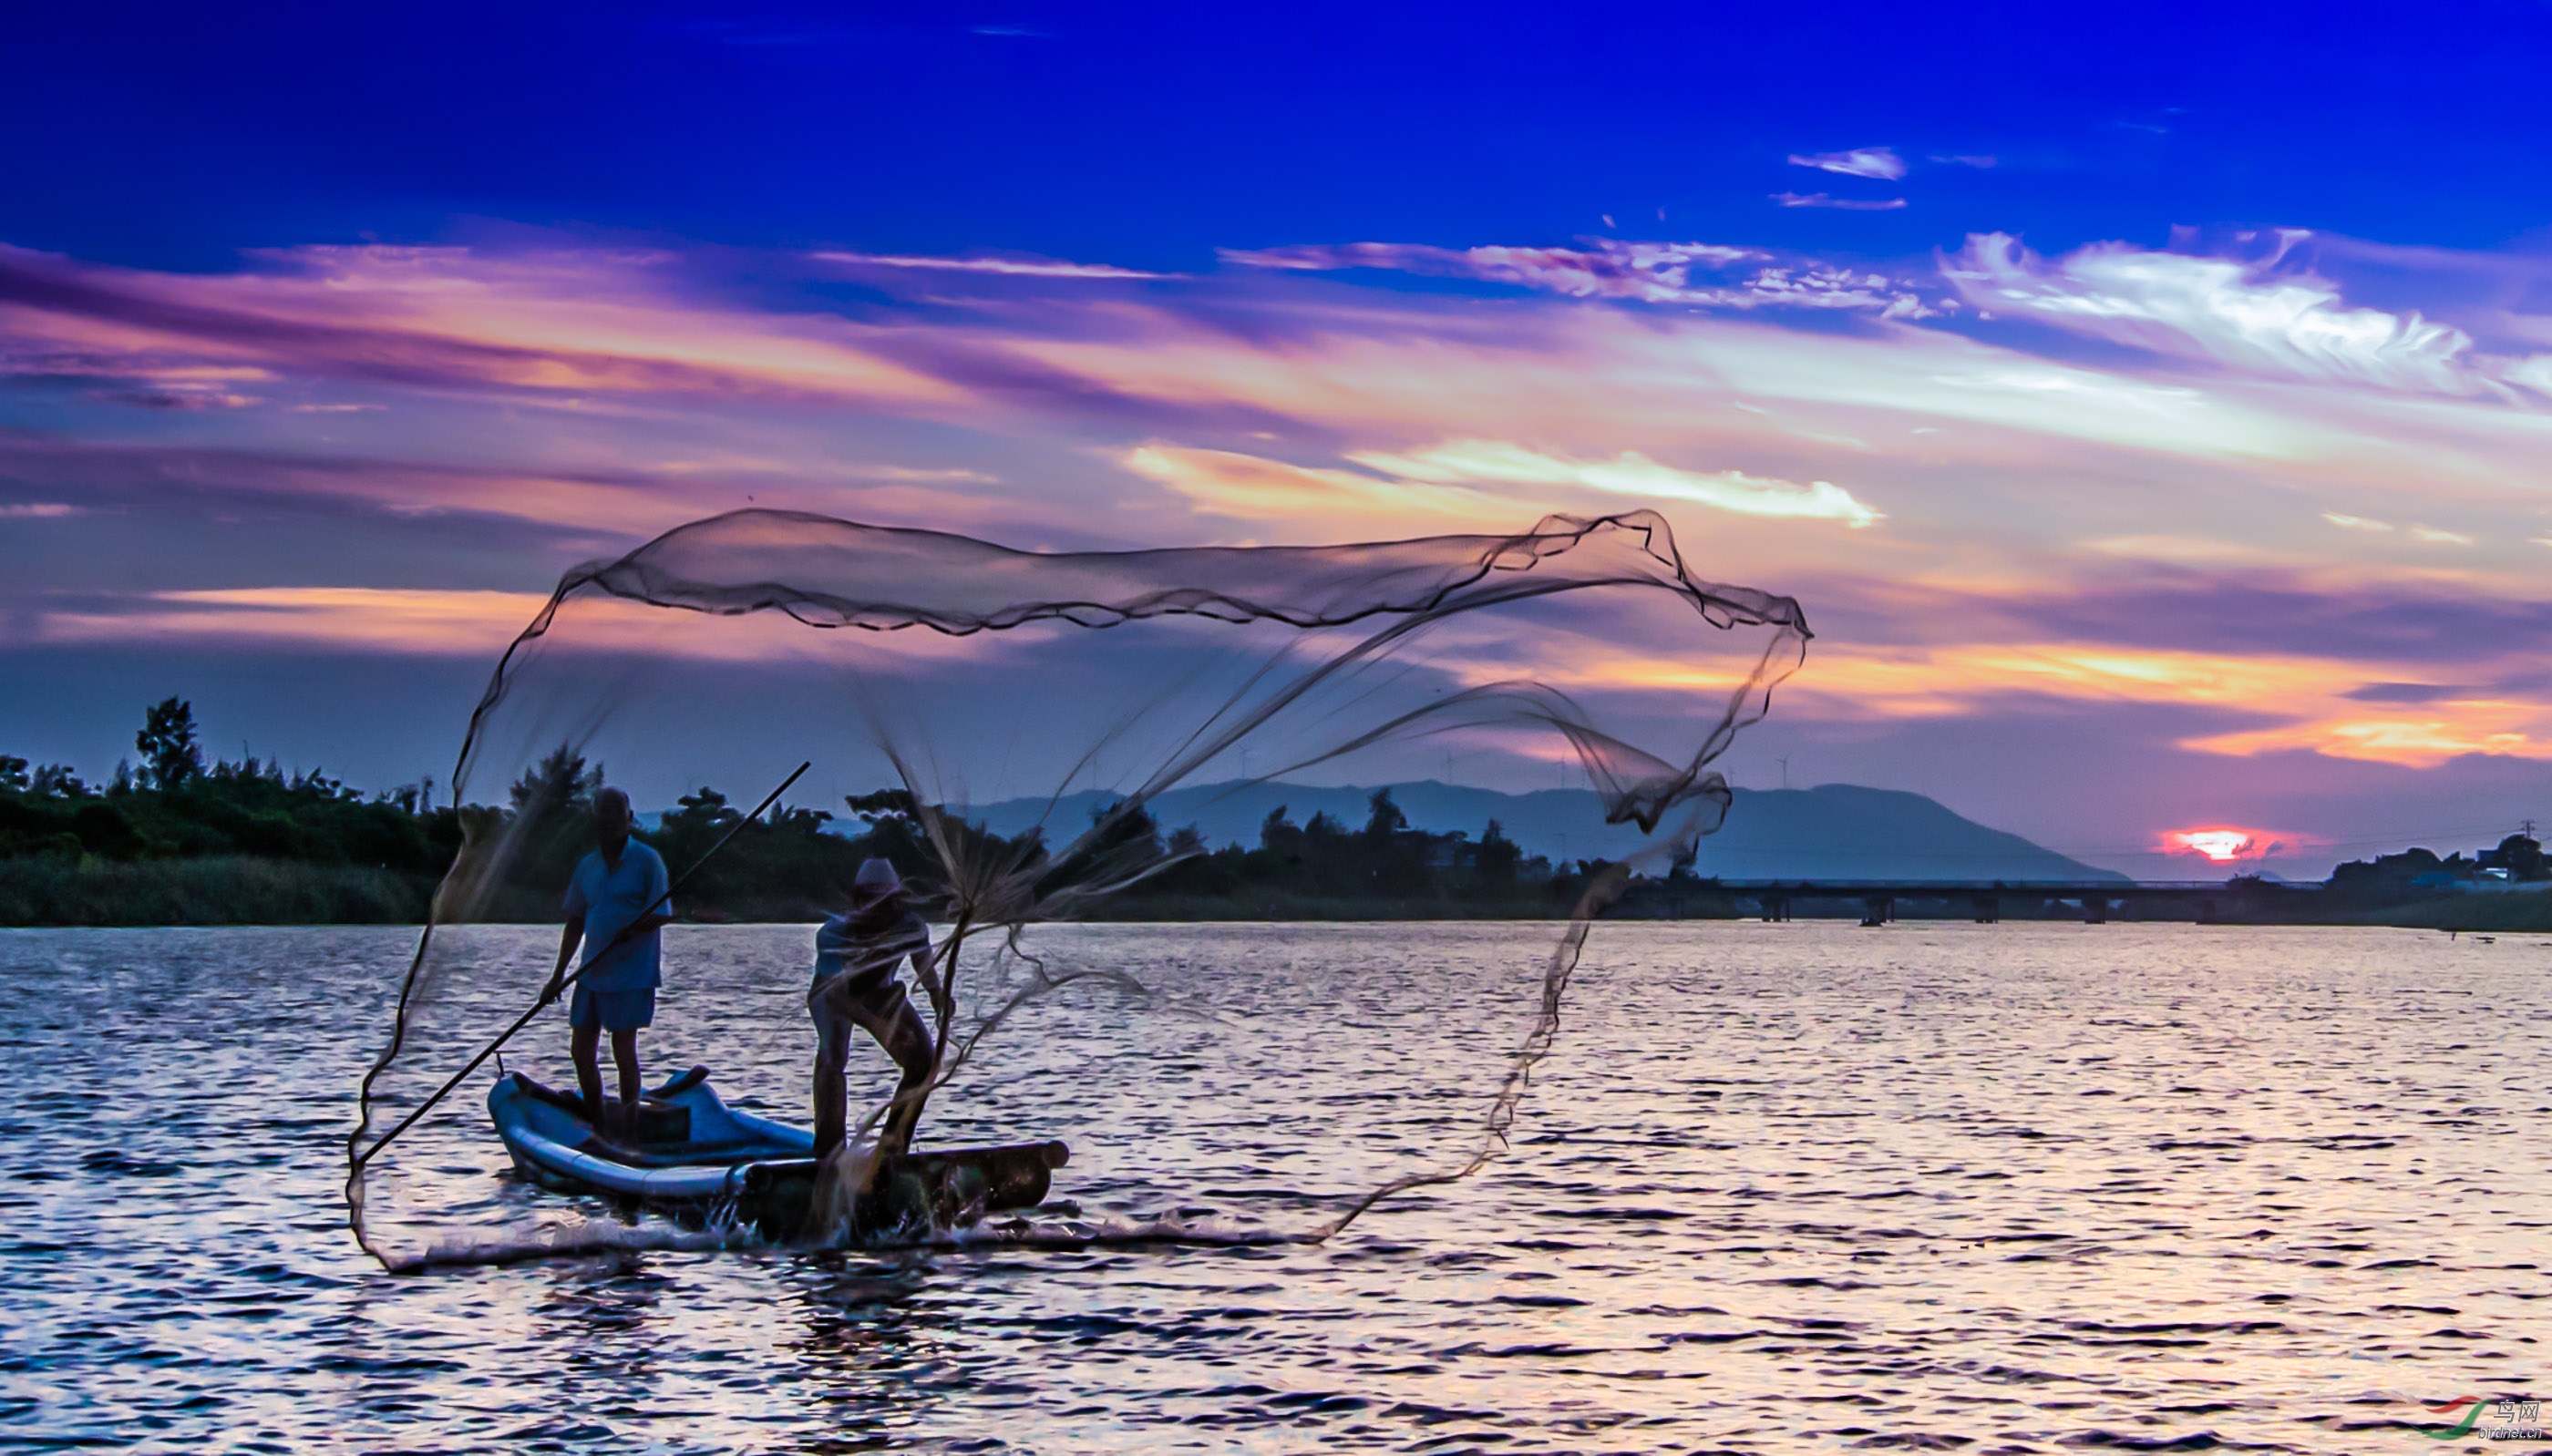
[(2224, 846), (2220, 845)]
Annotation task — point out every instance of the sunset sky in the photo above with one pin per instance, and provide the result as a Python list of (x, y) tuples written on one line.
[(2153, 413)]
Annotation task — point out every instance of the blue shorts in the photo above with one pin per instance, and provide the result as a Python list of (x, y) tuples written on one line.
[(613, 1010)]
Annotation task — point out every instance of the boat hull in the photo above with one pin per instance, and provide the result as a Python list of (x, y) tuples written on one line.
[(948, 1188), (695, 1156)]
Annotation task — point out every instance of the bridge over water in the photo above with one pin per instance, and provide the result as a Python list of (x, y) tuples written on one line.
[(2203, 899)]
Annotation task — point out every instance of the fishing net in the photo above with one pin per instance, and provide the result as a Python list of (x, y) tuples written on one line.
[(1001, 724)]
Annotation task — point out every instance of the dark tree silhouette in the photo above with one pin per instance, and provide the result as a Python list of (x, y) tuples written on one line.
[(167, 742), (1498, 858)]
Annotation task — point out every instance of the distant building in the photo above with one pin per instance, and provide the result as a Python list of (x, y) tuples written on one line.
[(2519, 857)]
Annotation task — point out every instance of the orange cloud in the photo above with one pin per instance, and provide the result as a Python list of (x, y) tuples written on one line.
[(1248, 487), (480, 624), (594, 321), (2309, 698), (2439, 732), (407, 622)]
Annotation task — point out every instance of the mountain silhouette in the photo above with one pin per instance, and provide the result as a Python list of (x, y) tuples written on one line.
[(1830, 832)]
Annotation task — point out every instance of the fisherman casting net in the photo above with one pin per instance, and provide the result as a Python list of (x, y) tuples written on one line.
[(1003, 727)]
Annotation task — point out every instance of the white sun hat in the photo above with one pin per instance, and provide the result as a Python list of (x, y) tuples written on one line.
[(876, 881)]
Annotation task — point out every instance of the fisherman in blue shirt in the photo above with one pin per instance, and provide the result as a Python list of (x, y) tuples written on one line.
[(605, 899)]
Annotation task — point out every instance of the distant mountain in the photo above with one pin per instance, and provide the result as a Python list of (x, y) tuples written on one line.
[(1833, 831), (1842, 830)]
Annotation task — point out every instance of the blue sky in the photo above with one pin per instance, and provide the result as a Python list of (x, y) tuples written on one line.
[(1152, 135), (2148, 406)]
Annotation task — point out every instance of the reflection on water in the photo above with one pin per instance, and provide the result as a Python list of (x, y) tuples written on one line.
[(1988, 1189)]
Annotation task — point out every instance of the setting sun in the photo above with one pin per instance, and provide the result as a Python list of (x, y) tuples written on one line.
[(2219, 845)]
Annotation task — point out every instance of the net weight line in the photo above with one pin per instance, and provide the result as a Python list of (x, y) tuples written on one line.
[(572, 978)]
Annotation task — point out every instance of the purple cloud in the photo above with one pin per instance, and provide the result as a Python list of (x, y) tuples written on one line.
[(1601, 267)]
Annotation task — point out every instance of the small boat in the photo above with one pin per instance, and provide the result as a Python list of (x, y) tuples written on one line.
[(691, 1153)]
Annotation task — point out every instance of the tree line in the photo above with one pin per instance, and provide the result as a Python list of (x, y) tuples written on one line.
[(2421, 874), (177, 837), (797, 863), (173, 804)]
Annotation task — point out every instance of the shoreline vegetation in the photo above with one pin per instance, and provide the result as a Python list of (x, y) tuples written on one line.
[(173, 841)]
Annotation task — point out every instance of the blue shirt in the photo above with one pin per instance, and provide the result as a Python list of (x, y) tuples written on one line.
[(606, 898)]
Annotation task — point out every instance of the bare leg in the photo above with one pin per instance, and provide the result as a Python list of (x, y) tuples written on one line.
[(906, 1040), (897, 1136), (832, 1100), (900, 1029), (624, 1055), (582, 1044)]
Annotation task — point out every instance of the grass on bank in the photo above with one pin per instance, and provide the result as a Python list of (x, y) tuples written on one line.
[(222, 890), (245, 890), (2514, 913)]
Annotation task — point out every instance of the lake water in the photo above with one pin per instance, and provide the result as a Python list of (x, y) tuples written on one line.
[(1991, 1189)]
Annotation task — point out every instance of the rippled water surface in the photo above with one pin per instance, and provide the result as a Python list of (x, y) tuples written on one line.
[(1791, 1186)]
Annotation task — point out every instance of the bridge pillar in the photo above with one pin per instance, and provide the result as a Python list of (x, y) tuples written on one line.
[(2095, 910), (1877, 909), (1989, 910)]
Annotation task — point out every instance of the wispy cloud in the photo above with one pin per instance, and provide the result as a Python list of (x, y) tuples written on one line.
[(1251, 487), (2214, 308), (40, 511), (1015, 268), (154, 479), (2310, 703), (554, 324), (1651, 273), (1600, 268), (413, 622), (1470, 480), (598, 391), (1978, 161), (2408, 692), (1881, 163), (2534, 372), (1840, 204), (1496, 463), (2299, 702), (409, 622), (148, 378)]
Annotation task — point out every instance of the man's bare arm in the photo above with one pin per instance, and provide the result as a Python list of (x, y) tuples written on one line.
[(568, 938), (923, 971)]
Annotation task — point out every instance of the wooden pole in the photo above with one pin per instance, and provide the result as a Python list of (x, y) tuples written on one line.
[(542, 1004)]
